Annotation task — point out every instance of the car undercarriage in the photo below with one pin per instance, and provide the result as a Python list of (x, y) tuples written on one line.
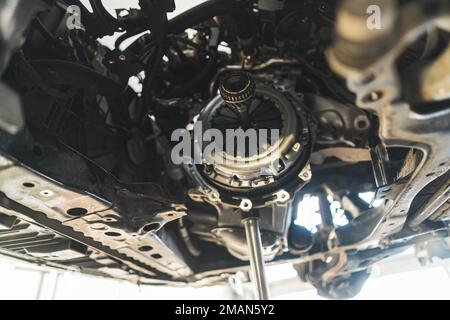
[(185, 153)]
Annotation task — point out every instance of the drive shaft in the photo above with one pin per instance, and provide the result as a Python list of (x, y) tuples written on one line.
[(255, 251)]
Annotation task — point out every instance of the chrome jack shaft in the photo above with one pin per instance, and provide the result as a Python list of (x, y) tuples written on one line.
[(256, 256)]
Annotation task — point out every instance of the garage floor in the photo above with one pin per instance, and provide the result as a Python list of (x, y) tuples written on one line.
[(400, 277)]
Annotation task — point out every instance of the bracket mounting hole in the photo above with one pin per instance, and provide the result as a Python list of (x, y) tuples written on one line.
[(77, 212)]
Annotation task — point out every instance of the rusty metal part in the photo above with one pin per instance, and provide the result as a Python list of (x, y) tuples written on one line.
[(338, 122), (368, 63), (402, 127), (443, 213), (433, 204), (350, 155), (372, 75), (399, 28), (379, 157), (434, 80), (93, 218)]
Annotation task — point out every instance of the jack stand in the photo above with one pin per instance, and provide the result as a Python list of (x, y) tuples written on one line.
[(255, 252)]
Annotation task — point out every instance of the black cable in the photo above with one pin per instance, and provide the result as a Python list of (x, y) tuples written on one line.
[(185, 88), (129, 34), (336, 89), (44, 32), (153, 66), (245, 23)]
